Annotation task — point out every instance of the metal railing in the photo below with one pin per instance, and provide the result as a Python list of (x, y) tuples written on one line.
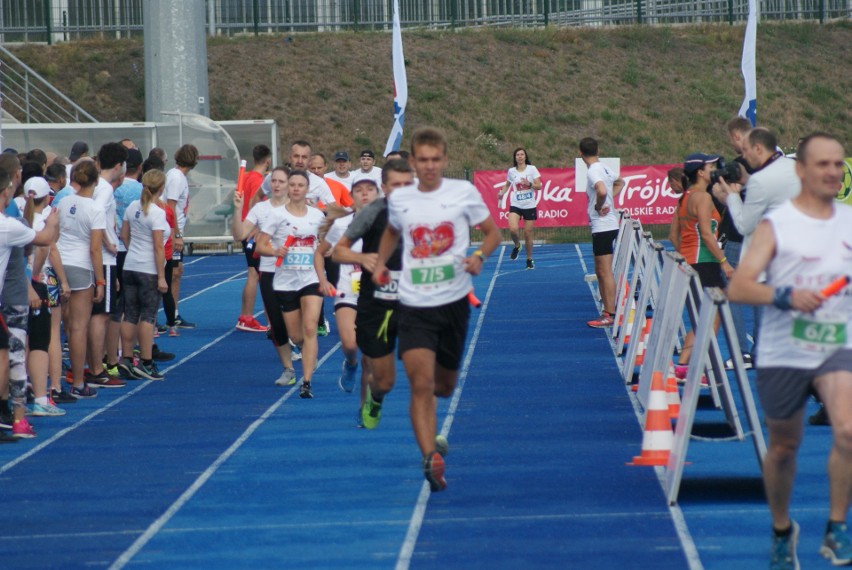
[(30, 99), (65, 20)]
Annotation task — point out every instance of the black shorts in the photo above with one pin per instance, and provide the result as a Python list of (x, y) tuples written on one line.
[(141, 297), (38, 329), (4, 334), (525, 213), (252, 260), (710, 274), (442, 330), (292, 300), (376, 327), (109, 302), (602, 242)]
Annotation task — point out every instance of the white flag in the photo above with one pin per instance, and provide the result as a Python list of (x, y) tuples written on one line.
[(749, 107), (400, 85)]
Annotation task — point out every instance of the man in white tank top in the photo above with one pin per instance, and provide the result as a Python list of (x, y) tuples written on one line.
[(806, 338)]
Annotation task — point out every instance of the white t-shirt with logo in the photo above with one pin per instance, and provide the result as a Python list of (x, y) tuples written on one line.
[(599, 172), (140, 254), (345, 181), (177, 189), (521, 193), (435, 230), (262, 215), (349, 281), (297, 269), (12, 234), (78, 217), (104, 196)]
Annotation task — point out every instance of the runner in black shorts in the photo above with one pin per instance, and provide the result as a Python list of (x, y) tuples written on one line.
[(433, 221), (377, 311), (523, 180)]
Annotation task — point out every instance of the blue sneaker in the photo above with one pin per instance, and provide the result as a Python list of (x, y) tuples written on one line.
[(347, 376), (784, 550), (836, 545)]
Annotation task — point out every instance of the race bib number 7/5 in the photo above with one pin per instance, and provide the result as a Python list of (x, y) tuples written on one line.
[(432, 272)]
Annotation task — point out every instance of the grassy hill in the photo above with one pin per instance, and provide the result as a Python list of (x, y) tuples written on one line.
[(650, 94)]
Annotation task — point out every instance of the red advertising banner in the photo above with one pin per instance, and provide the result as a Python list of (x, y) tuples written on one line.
[(646, 196)]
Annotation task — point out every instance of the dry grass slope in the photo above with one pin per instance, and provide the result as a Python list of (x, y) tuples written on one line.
[(651, 94)]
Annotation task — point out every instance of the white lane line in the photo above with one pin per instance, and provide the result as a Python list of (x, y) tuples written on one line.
[(690, 550), (63, 432), (187, 495), (407, 549), (203, 257)]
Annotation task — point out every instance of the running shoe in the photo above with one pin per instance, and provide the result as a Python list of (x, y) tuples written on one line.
[(324, 328), (173, 331), (102, 380), (530, 264), (347, 376), (6, 418), (161, 328), (125, 369), (784, 550), (305, 390), (147, 371), (682, 370), (7, 438), (111, 370), (371, 412), (515, 251), (250, 324), (287, 378), (820, 418), (433, 470), (442, 446), (836, 545), (604, 321), (46, 410), (62, 397), (295, 351), (747, 362), (182, 323), (22, 429), (161, 356), (85, 392)]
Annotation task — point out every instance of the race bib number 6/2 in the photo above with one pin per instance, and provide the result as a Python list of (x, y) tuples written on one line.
[(818, 336), (432, 272)]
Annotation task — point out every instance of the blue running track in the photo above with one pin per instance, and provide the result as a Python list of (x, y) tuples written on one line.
[(216, 467)]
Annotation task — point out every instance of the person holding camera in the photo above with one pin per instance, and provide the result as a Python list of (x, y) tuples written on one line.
[(773, 182)]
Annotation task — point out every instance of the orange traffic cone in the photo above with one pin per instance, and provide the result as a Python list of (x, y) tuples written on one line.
[(640, 353), (672, 395), (658, 437)]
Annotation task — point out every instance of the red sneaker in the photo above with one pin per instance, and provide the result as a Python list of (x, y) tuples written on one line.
[(249, 324), (605, 320)]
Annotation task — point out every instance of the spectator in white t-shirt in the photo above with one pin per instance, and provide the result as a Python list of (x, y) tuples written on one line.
[(368, 167), (341, 169), (177, 195), (144, 233), (82, 224), (602, 183)]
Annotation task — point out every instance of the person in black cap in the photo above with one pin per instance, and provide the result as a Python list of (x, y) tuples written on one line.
[(341, 169), (78, 150), (368, 168)]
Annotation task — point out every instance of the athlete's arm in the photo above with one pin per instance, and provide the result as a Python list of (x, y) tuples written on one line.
[(473, 263), (263, 245), (600, 198), (343, 253), (319, 267), (387, 245)]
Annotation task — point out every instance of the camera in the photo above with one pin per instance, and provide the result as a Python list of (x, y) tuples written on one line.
[(728, 171)]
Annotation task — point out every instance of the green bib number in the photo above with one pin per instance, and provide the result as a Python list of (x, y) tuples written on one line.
[(432, 275), (819, 336)]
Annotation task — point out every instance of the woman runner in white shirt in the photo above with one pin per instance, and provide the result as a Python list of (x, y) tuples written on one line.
[(81, 232), (258, 220), (523, 180), (364, 191), (299, 281), (144, 234)]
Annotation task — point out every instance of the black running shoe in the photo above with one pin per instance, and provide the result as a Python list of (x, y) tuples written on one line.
[(305, 390), (182, 323), (530, 264), (7, 437), (62, 397), (161, 356), (515, 251)]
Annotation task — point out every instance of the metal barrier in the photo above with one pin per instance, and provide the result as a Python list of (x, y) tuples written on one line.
[(65, 20)]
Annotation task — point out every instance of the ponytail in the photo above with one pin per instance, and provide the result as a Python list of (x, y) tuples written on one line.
[(29, 210), (152, 183)]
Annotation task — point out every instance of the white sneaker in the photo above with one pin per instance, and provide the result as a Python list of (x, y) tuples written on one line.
[(287, 378)]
